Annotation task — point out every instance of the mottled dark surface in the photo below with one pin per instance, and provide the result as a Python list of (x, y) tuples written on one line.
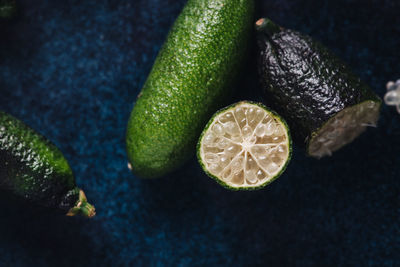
[(305, 82), (72, 69)]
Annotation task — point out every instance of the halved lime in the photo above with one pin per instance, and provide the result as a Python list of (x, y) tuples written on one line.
[(245, 146)]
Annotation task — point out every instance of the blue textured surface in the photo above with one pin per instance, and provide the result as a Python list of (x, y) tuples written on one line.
[(72, 70)]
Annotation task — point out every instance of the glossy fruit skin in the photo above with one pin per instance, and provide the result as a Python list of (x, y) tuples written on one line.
[(7, 8), (305, 82), (33, 169), (193, 76)]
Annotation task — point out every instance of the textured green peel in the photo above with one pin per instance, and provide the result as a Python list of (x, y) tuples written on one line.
[(193, 75), (34, 169)]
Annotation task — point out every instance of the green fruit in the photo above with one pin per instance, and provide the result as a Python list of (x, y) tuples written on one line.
[(245, 146), (193, 75), (7, 8), (324, 103), (34, 170)]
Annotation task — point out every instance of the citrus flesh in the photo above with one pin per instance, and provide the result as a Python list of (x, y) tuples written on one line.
[(343, 128), (245, 146)]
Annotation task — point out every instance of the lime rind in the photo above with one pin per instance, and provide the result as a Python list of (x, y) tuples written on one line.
[(266, 181)]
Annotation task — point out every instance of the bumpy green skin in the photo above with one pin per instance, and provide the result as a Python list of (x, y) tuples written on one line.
[(222, 183), (33, 169), (192, 77), (304, 81), (7, 8)]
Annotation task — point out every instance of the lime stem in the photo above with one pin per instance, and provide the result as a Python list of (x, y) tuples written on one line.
[(265, 25), (82, 207)]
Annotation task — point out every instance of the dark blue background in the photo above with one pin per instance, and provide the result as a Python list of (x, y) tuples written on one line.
[(72, 70)]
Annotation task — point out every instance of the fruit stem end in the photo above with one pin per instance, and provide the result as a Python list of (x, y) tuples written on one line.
[(265, 25), (82, 207)]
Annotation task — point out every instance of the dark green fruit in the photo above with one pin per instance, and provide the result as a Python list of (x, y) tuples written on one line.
[(324, 103), (34, 170), (7, 8), (192, 77), (245, 146)]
